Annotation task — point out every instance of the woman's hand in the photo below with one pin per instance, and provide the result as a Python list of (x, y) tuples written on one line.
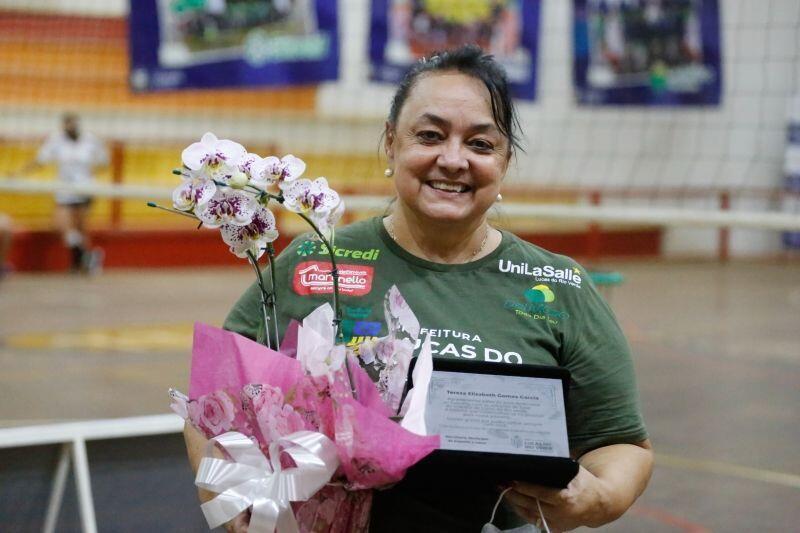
[(609, 480), (239, 523), (584, 502)]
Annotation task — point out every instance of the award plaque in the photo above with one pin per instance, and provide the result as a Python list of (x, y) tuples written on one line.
[(499, 422)]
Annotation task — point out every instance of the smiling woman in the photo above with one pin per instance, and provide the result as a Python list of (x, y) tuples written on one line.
[(449, 136), (449, 160)]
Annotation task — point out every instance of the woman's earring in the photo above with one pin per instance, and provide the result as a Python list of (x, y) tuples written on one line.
[(388, 172), (499, 198)]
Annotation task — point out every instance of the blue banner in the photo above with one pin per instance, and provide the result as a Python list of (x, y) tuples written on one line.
[(644, 52), (178, 44), (403, 31)]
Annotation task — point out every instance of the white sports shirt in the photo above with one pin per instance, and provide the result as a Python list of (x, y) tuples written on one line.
[(74, 159)]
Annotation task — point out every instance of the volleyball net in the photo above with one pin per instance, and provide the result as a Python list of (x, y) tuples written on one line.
[(672, 167)]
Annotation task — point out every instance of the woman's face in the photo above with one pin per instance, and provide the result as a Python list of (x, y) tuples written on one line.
[(446, 151)]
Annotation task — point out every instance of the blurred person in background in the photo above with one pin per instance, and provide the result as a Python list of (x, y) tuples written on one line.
[(76, 154)]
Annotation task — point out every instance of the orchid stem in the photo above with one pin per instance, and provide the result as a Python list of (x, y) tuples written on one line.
[(270, 264), (177, 212), (337, 319), (262, 193), (264, 298), (277, 197)]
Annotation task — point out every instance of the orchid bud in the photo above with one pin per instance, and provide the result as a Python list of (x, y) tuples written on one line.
[(238, 180)]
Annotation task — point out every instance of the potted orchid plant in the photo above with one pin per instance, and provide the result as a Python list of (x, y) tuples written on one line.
[(224, 186), (313, 403)]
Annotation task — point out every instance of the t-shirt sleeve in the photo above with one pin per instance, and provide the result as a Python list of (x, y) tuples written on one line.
[(245, 316), (603, 404)]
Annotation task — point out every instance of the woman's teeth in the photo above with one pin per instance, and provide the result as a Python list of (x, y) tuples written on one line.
[(447, 186)]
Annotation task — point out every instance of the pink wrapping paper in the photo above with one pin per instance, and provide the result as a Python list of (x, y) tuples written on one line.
[(225, 360), (239, 384), (313, 384)]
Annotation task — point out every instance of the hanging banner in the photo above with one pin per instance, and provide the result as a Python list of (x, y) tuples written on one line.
[(403, 31), (647, 52), (177, 44)]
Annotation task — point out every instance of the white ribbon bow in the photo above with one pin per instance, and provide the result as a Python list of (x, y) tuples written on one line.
[(251, 479)]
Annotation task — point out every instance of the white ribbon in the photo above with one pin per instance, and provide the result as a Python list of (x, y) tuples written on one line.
[(252, 480)]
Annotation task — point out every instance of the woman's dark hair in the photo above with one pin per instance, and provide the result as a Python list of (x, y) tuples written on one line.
[(472, 61)]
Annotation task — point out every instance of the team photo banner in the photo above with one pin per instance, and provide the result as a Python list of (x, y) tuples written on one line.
[(639, 52), (403, 31), (178, 44)]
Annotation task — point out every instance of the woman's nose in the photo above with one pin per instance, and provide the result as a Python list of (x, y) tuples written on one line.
[(452, 157)]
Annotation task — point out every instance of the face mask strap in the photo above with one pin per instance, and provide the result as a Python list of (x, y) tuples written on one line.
[(497, 504)]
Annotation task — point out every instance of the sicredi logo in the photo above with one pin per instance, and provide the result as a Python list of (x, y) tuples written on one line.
[(314, 277), (547, 274), (307, 248)]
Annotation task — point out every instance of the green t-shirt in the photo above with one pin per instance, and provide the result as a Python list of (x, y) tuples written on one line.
[(519, 304)]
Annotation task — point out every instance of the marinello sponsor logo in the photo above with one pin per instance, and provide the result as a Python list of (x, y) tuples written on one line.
[(548, 273), (314, 277)]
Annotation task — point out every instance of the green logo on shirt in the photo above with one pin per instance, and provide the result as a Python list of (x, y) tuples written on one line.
[(540, 294), (306, 248), (370, 254), (536, 306)]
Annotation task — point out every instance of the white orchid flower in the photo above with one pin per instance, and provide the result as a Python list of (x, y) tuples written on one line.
[(214, 158), (325, 224), (311, 198), (271, 170), (227, 207), (254, 236), (246, 163), (193, 192)]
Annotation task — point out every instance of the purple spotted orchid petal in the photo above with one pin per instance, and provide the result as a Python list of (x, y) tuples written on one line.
[(311, 198), (193, 192), (272, 171), (326, 222), (262, 171), (291, 168), (214, 158), (247, 162), (252, 237), (195, 154), (227, 207)]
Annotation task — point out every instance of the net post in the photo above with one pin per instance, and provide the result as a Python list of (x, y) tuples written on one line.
[(594, 237), (723, 249), (117, 164)]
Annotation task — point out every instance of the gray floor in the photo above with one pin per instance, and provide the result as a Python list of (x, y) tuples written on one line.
[(717, 352)]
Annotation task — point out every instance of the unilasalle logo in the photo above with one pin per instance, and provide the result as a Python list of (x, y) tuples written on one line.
[(536, 305), (544, 274), (314, 277)]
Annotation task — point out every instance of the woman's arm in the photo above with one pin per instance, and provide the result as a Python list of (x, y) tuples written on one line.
[(608, 482), (195, 448)]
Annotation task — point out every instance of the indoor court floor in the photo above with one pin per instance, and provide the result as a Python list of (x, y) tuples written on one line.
[(716, 347)]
